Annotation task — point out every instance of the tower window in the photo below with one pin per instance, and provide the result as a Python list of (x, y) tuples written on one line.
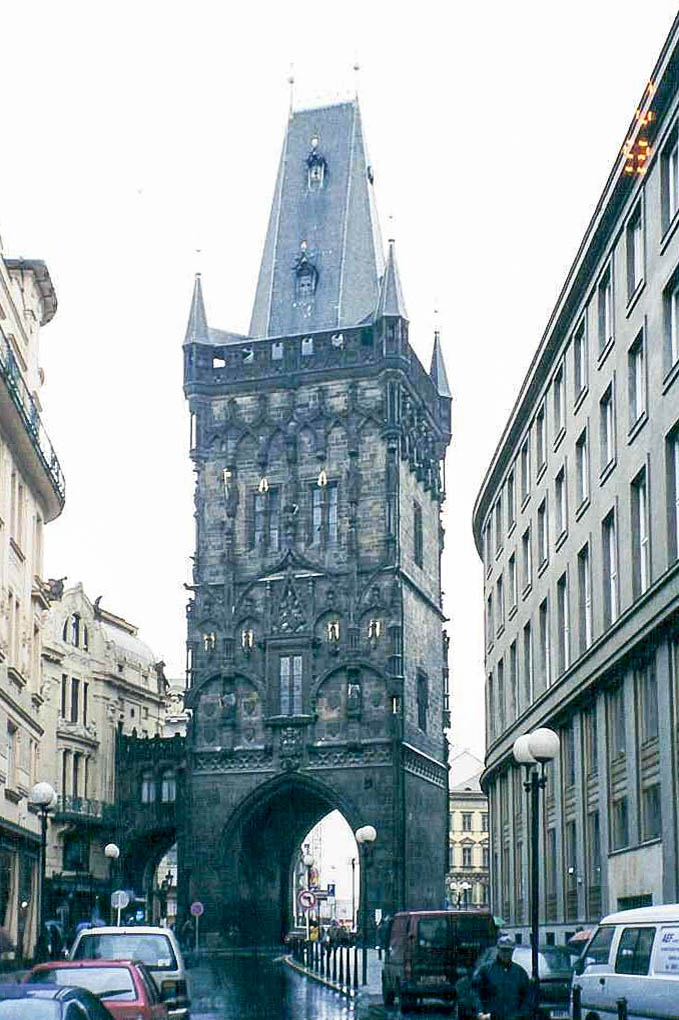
[(324, 513), (422, 700), (418, 543), (316, 167), (266, 519), (290, 678)]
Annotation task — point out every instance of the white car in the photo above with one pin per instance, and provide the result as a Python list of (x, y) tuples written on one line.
[(155, 947), (632, 955)]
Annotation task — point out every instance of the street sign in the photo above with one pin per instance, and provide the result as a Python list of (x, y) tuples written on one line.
[(197, 908), (139, 915), (306, 899), (119, 900)]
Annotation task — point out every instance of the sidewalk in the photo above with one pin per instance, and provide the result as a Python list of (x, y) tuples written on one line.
[(366, 997)]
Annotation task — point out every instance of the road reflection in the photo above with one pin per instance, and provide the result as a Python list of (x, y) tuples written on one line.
[(260, 988)]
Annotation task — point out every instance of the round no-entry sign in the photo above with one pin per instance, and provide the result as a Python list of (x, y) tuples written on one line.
[(119, 899), (306, 899), (197, 908)]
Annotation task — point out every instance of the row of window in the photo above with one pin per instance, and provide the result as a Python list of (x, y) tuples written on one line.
[(74, 704), (638, 556), (637, 385), (482, 859), (150, 787), (467, 819)]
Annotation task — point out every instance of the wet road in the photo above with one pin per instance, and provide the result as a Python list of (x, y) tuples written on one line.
[(261, 988)]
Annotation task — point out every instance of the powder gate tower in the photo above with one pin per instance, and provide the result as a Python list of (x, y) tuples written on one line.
[(316, 654)]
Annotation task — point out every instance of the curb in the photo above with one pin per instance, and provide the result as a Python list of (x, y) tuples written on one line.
[(350, 993)]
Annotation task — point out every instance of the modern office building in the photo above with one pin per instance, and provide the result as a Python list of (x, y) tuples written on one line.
[(577, 522), (31, 494)]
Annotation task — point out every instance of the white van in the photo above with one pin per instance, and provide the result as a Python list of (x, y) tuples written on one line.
[(632, 955)]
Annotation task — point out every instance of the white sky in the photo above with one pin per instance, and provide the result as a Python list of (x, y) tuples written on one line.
[(135, 133)]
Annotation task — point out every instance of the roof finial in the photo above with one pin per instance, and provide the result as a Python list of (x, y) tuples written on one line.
[(437, 328), (291, 83), (357, 68)]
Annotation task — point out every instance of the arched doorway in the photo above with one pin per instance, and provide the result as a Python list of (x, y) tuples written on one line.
[(261, 845), (327, 863), (144, 856)]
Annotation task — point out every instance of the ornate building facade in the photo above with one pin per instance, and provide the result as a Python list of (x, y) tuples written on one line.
[(31, 494), (316, 655), (469, 867), (100, 682), (577, 522)]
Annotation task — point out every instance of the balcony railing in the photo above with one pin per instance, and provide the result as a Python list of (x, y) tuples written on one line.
[(25, 405), (84, 808)]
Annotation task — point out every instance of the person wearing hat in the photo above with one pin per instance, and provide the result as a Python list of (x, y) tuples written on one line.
[(502, 987)]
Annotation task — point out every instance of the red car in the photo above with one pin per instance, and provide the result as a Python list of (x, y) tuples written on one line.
[(126, 988)]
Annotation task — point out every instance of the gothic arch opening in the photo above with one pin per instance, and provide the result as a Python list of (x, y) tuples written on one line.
[(260, 847), (327, 863)]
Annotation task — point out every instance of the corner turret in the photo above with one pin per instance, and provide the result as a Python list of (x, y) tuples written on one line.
[(439, 377), (391, 315)]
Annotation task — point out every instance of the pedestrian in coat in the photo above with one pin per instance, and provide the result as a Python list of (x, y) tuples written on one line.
[(502, 987)]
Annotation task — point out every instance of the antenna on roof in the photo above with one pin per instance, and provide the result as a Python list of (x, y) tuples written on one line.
[(357, 68), (291, 83)]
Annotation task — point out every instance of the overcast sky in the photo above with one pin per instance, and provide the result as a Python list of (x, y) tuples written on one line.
[(134, 134)]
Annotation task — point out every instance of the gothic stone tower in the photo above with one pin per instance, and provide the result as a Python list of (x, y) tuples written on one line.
[(316, 655)]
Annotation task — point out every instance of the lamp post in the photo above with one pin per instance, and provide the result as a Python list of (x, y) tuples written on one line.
[(353, 893), (43, 796), (530, 750), (112, 852), (365, 837), (308, 862), (464, 894)]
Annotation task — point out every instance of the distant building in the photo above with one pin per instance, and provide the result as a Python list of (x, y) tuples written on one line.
[(469, 873), (31, 494), (176, 717), (577, 522), (100, 680)]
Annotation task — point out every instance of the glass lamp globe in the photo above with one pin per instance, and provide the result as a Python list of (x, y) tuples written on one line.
[(111, 851), (42, 795), (522, 752), (366, 834), (308, 861), (544, 744)]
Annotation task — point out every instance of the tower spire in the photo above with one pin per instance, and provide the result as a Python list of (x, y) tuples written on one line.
[(437, 371), (196, 329), (391, 301)]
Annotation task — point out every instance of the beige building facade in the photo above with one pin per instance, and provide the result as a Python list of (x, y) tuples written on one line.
[(469, 872), (577, 523), (31, 494), (100, 680)]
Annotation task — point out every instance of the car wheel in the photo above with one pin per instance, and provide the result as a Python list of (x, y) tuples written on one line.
[(387, 993)]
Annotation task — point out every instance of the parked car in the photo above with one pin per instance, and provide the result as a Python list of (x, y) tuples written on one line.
[(127, 989), (632, 955), (155, 947), (49, 1002), (428, 951), (554, 970)]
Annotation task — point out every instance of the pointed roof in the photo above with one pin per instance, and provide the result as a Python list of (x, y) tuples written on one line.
[(196, 328), (333, 227), (437, 371), (391, 296)]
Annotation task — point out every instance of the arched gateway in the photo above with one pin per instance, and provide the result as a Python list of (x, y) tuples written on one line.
[(316, 655)]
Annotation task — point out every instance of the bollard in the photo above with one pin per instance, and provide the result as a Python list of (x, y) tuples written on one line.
[(341, 966), (622, 1009), (334, 963), (577, 1002), (355, 966)]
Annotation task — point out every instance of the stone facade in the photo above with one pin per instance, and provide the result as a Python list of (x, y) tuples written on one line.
[(577, 524), (99, 682), (31, 494), (316, 656)]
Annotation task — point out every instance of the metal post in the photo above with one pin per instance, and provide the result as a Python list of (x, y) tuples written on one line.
[(353, 893), (341, 966), (577, 1002), (41, 953), (355, 965), (535, 887), (364, 913), (334, 963)]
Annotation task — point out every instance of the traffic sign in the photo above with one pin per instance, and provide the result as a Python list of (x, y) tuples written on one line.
[(119, 899), (197, 909), (306, 899)]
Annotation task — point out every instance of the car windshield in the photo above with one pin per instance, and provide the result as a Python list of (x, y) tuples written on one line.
[(29, 1009), (553, 961), (153, 949), (432, 932), (113, 983)]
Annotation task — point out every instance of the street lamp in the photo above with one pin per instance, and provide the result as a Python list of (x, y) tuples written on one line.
[(530, 750), (112, 852), (43, 796), (308, 862), (464, 890), (365, 837)]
